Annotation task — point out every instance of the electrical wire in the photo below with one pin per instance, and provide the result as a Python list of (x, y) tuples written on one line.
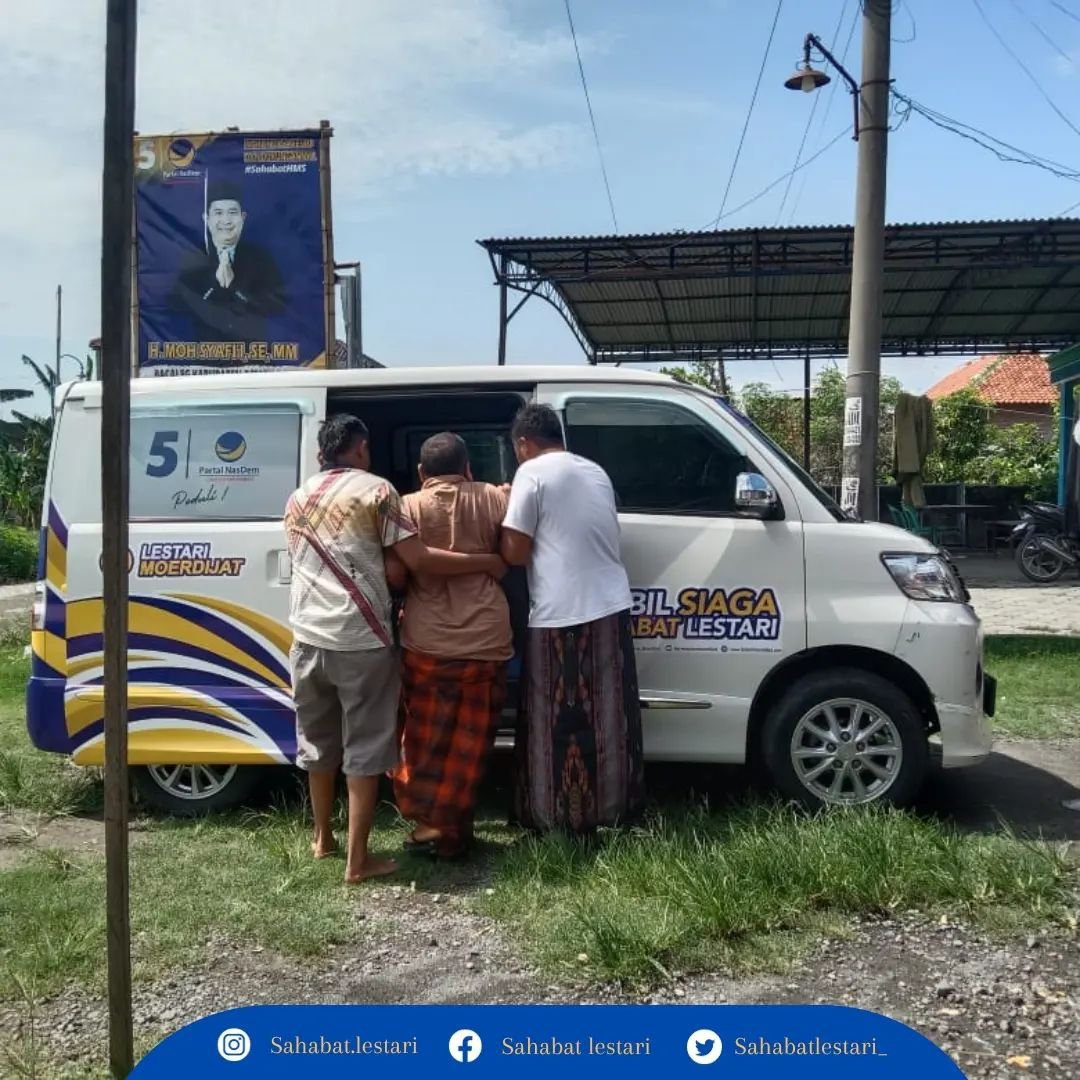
[(592, 118), (998, 147), (1023, 67), (1034, 24), (750, 111), (828, 108), (1065, 11), (778, 181), (905, 6), (809, 124)]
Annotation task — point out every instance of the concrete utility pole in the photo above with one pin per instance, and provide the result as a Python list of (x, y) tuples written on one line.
[(867, 269), (117, 200)]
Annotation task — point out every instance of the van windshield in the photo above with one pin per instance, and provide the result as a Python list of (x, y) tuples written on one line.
[(809, 482)]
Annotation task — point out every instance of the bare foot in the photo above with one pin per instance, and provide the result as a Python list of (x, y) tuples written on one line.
[(323, 849), (373, 868), (424, 835)]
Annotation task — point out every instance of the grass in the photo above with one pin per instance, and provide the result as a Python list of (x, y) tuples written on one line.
[(29, 780), (693, 888), (1037, 683), (250, 875)]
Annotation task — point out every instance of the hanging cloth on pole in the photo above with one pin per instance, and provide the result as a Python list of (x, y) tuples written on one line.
[(913, 442)]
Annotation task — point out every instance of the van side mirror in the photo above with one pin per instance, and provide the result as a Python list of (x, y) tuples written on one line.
[(755, 496)]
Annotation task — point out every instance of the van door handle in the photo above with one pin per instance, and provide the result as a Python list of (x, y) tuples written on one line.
[(284, 568)]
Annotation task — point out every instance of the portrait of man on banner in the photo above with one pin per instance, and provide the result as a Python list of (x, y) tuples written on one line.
[(231, 287), (234, 261)]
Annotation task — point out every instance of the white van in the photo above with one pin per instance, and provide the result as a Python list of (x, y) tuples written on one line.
[(769, 627)]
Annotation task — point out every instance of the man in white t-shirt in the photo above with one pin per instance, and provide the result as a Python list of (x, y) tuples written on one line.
[(579, 731)]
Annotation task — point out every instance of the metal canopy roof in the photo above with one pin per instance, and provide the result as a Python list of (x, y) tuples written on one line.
[(950, 288)]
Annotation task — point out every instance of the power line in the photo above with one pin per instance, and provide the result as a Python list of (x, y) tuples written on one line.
[(903, 5), (592, 118), (1065, 11), (809, 124), (779, 180), (1034, 24), (1023, 67), (998, 147), (750, 111)]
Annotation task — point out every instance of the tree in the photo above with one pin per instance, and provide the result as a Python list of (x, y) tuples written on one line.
[(962, 431), (709, 374), (24, 457), (827, 407)]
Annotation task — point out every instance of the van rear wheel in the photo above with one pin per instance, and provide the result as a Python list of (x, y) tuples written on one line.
[(846, 738), (191, 790)]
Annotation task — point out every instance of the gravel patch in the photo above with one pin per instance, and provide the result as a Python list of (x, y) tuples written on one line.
[(1001, 1008)]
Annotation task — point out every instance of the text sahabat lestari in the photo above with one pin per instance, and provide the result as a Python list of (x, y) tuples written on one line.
[(700, 613), (186, 560)]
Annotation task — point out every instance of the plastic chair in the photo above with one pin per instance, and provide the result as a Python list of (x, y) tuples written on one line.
[(913, 523)]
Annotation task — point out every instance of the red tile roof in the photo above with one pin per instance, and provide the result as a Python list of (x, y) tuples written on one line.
[(1019, 379)]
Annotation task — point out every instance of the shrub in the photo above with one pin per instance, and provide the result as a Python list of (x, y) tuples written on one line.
[(18, 554)]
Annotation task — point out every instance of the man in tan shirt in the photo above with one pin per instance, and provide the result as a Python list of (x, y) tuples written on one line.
[(456, 640)]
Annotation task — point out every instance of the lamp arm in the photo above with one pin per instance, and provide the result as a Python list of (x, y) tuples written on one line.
[(814, 42)]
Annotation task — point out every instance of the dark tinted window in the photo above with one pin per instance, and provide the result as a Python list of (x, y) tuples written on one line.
[(660, 457)]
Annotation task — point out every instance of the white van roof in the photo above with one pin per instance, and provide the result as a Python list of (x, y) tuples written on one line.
[(379, 378)]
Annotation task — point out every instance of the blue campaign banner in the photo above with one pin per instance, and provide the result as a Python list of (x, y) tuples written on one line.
[(233, 256), (404, 1041)]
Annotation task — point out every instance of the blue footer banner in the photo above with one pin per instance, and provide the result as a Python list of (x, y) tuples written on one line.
[(403, 1041)]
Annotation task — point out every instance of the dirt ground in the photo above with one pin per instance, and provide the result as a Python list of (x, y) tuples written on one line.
[(1004, 1006)]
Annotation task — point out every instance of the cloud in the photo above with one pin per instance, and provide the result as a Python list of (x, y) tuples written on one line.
[(412, 89)]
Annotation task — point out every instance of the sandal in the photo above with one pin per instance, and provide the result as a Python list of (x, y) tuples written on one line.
[(412, 842)]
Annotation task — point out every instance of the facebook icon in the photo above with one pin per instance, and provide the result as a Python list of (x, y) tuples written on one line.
[(465, 1046)]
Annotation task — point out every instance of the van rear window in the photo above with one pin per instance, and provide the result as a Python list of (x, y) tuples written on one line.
[(194, 463)]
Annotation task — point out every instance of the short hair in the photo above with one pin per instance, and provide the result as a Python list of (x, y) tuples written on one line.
[(444, 454), (539, 424), (338, 433)]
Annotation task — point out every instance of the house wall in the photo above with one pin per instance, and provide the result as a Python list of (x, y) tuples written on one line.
[(1040, 415)]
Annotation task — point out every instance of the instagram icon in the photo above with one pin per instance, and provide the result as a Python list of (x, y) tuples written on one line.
[(233, 1044)]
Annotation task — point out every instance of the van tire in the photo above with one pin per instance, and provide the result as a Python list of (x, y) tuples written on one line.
[(243, 782), (846, 692)]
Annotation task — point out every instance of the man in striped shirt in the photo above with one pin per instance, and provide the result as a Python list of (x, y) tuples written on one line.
[(346, 679)]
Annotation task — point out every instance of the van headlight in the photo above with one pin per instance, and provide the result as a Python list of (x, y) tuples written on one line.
[(925, 577)]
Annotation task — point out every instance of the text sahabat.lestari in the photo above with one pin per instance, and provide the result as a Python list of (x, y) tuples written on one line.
[(701, 613), (186, 560)]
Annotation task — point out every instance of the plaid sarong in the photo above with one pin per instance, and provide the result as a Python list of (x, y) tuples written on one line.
[(450, 713)]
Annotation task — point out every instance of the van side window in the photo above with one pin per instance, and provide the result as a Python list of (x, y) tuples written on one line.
[(661, 458), (202, 463)]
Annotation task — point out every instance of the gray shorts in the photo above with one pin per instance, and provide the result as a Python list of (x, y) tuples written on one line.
[(346, 709)]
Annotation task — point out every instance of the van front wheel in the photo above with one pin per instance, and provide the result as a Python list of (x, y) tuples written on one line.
[(191, 790), (846, 738)]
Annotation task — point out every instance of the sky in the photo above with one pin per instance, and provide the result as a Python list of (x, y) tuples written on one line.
[(457, 120)]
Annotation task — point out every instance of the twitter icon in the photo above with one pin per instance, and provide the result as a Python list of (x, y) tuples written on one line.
[(704, 1047)]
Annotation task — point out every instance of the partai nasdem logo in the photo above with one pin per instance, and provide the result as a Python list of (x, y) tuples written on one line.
[(230, 447)]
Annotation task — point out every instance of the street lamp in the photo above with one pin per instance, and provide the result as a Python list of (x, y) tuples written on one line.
[(71, 356), (863, 387), (808, 78)]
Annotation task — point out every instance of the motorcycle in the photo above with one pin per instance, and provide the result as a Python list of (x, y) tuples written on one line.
[(1042, 550)]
